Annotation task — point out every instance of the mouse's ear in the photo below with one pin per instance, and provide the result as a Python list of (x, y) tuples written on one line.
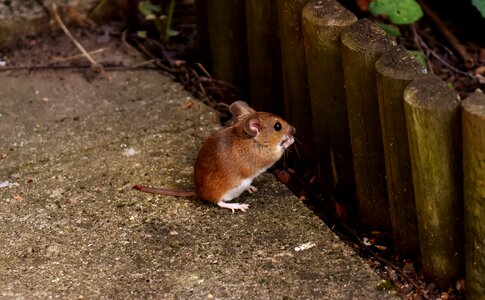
[(240, 108), (253, 126)]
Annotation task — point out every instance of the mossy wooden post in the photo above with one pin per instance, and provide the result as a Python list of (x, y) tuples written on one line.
[(434, 125), (264, 56), (203, 38), (323, 23), (362, 44), (474, 191), (395, 70), (227, 30), (295, 80)]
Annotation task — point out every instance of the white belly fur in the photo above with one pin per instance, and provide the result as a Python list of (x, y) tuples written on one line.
[(235, 192)]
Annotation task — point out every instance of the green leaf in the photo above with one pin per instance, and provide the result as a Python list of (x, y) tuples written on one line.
[(385, 285), (390, 29), (480, 5), (399, 11), (147, 8), (420, 57)]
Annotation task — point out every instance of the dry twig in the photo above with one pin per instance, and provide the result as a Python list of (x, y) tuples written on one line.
[(416, 39), (61, 59), (78, 45), (443, 61), (455, 43), (110, 67)]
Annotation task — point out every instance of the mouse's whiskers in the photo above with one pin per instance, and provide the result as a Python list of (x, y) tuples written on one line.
[(295, 147)]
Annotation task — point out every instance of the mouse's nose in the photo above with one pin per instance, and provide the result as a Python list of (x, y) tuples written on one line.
[(291, 130)]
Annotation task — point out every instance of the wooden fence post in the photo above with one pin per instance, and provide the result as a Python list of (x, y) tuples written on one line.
[(264, 56), (433, 123), (395, 70), (323, 23), (362, 44), (227, 29), (474, 191), (295, 81)]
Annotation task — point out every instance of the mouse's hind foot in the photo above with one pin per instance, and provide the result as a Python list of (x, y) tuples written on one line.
[(233, 206)]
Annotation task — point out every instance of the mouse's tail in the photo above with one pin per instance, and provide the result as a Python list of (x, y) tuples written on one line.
[(163, 191)]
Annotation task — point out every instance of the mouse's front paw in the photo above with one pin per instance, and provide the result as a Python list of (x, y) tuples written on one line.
[(251, 189)]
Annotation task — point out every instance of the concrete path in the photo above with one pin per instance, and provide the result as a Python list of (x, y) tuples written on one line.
[(71, 227)]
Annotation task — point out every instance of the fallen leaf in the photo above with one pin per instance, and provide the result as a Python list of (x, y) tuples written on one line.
[(480, 70), (340, 209), (179, 62), (76, 17), (186, 105), (380, 247), (366, 241), (363, 4), (480, 73), (460, 285), (283, 176)]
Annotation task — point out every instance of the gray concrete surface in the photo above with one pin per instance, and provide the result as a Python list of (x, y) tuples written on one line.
[(72, 228)]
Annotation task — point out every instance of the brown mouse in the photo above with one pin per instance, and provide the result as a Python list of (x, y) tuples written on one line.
[(231, 158)]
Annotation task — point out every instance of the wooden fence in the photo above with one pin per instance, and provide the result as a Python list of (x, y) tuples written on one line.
[(414, 151)]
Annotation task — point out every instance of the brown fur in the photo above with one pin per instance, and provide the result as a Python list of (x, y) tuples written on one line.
[(232, 155), (236, 154)]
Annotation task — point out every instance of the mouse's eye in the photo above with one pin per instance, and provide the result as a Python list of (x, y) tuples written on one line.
[(277, 126)]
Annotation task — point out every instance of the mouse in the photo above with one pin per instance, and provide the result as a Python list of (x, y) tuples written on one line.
[(231, 158)]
